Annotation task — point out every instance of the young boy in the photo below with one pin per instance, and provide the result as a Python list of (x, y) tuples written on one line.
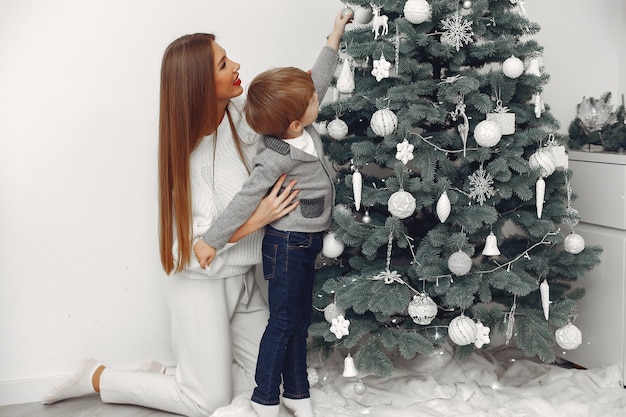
[(281, 105)]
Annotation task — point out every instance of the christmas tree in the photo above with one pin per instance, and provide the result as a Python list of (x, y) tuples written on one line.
[(454, 219)]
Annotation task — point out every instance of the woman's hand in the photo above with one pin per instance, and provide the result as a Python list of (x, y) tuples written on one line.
[(205, 253), (272, 207)]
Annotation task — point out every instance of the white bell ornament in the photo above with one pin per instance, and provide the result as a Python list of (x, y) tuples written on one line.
[(574, 243), (569, 337), (540, 192), (544, 290), (349, 369), (357, 188), (462, 330), (443, 207), (533, 67), (491, 246), (331, 246), (401, 204)]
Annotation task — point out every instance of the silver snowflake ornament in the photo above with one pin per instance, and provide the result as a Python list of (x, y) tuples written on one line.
[(457, 31), (481, 186)]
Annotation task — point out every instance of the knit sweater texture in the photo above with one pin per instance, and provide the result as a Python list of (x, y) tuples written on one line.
[(217, 173), (275, 157)]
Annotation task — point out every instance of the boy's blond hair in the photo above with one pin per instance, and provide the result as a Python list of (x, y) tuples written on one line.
[(276, 98)]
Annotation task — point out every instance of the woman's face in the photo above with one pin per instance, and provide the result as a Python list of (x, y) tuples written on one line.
[(227, 82)]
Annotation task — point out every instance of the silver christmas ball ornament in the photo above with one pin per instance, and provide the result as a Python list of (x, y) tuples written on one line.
[(422, 309), (401, 204)]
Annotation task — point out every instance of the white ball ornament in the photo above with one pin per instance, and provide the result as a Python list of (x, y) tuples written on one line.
[(422, 309), (360, 387), (312, 376), (331, 247), (467, 4), (462, 330), (569, 337), (459, 263), (363, 15), (571, 217), (331, 311), (513, 67), (384, 122), (337, 129), (401, 204), (543, 160), (487, 133), (574, 243), (417, 11)]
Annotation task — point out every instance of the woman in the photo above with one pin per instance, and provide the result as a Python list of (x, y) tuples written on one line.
[(217, 314)]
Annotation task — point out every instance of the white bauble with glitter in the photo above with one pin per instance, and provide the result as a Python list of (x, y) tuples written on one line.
[(417, 11), (384, 122), (401, 204), (331, 247), (337, 129), (571, 217), (459, 263), (487, 133), (569, 337), (360, 387), (422, 309), (362, 14), (574, 243), (331, 311), (513, 67), (462, 330)]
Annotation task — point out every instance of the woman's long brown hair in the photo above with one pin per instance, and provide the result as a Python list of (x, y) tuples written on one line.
[(188, 111)]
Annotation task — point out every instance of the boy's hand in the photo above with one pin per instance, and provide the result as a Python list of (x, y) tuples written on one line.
[(205, 253), (341, 20)]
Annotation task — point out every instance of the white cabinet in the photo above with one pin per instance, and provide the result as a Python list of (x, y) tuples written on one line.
[(599, 181)]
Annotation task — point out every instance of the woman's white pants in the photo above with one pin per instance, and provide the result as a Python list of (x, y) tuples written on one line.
[(216, 327)]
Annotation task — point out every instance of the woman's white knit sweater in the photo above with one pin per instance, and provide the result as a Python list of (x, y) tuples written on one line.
[(217, 174)]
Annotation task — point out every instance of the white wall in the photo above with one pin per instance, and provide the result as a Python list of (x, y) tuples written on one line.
[(79, 270)]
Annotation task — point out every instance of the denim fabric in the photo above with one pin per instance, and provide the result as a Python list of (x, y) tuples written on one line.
[(289, 267)]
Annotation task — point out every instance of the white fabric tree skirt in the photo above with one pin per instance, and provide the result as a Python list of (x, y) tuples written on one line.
[(503, 384)]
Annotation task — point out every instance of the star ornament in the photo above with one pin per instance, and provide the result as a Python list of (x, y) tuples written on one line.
[(482, 335), (389, 277), (340, 326), (381, 68), (404, 151)]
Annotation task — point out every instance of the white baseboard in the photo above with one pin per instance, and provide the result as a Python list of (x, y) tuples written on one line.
[(21, 391)]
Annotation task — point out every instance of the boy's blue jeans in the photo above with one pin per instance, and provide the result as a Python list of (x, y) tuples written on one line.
[(289, 267)]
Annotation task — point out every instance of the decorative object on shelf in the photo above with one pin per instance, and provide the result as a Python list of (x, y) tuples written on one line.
[(459, 263), (401, 204), (331, 246), (422, 309), (513, 67), (417, 11), (598, 124), (569, 336)]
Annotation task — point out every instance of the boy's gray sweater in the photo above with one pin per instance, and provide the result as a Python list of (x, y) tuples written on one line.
[(276, 157)]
